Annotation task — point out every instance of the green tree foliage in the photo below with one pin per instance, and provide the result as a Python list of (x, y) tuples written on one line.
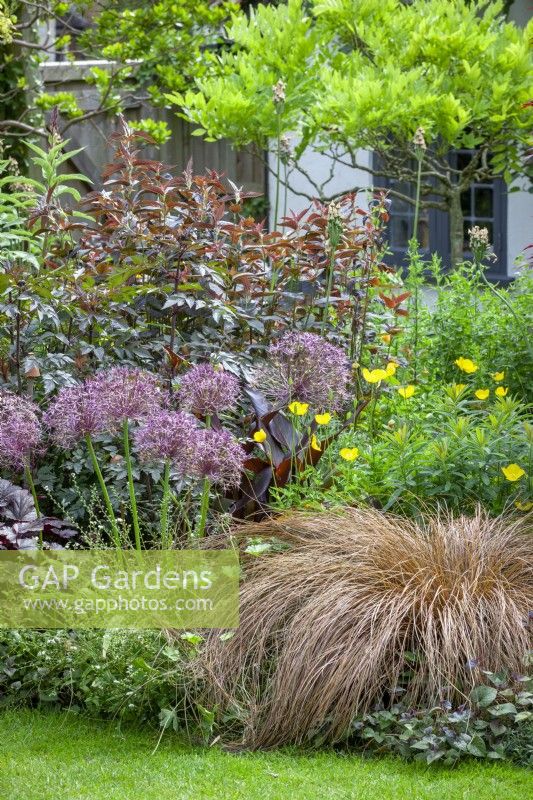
[(152, 48), (367, 74), (165, 40)]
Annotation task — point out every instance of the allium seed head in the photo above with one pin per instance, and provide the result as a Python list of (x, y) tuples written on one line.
[(77, 411), (206, 391), (127, 393), (306, 368), (20, 430), (218, 457), (169, 435)]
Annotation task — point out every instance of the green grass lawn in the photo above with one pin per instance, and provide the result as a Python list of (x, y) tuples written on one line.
[(64, 757)]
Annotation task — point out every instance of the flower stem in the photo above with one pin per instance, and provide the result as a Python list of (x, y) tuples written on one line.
[(417, 198), (329, 287), (164, 505), (200, 531), (105, 493), (31, 486), (131, 487), (278, 169)]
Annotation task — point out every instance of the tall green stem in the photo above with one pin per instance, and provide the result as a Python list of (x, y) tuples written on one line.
[(329, 287), (417, 197), (204, 503), (131, 487), (200, 531), (278, 169), (31, 486), (164, 506), (105, 494), (414, 257)]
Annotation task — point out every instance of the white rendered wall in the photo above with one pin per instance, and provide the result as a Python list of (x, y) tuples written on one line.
[(519, 204)]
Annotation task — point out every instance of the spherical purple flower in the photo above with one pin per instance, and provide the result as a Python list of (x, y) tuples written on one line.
[(20, 430), (168, 435), (218, 457), (77, 411), (307, 368), (127, 393), (206, 391)]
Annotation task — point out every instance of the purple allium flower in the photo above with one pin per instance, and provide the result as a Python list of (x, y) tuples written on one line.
[(218, 457), (77, 411), (307, 368), (206, 391), (127, 393), (20, 430), (169, 435)]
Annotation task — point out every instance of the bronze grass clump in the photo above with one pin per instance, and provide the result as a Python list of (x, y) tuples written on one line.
[(330, 625)]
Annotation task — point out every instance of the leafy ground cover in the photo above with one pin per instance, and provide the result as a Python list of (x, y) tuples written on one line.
[(59, 755)]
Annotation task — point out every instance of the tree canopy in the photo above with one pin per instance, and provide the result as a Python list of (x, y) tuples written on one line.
[(367, 74)]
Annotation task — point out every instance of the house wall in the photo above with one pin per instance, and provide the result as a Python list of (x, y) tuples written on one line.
[(519, 204)]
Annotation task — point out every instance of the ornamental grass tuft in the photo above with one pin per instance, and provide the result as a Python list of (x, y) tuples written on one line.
[(361, 608)]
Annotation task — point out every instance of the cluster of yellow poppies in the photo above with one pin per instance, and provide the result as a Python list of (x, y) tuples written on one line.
[(468, 366), (378, 375), (511, 472), (299, 410)]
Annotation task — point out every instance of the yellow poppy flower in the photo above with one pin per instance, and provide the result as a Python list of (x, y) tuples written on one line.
[(527, 506), (466, 365), (498, 376), (513, 472), (349, 453), (374, 375), (391, 368), (314, 443), (407, 391), (386, 337), (323, 419), (298, 408), (260, 436), (482, 394), (501, 391)]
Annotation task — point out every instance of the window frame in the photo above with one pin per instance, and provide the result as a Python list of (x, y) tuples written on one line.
[(439, 229)]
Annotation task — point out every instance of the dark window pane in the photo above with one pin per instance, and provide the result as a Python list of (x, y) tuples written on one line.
[(400, 231), (467, 224), (401, 206), (466, 203), (423, 233), (483, 202), (463, 160)]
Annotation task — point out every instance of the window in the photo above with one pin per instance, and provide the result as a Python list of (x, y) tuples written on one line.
[(483, 204)]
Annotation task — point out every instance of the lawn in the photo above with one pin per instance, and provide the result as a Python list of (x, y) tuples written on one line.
[(51, 756)]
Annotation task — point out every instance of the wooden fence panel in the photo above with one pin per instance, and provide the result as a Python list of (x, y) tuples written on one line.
[(243, 168)]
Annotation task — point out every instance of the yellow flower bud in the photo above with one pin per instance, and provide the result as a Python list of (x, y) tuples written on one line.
[(260, 436), (501, 391), (323, 419), (482, 394)]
